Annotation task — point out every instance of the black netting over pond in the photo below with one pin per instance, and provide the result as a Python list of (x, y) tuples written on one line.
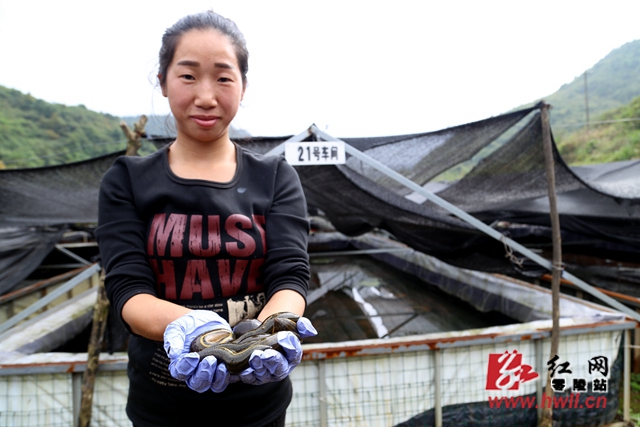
[(508, 184), (53, 195), (493, 169)]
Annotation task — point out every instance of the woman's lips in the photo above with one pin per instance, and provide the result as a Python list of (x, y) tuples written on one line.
[(205, 121)]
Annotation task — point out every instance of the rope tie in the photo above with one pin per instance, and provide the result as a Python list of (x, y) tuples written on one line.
[(558, 267), (511, 256)]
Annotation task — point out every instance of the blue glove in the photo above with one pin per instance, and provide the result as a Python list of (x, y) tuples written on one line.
[(185, 365), (209, 375), (305, 328), (270, 365)]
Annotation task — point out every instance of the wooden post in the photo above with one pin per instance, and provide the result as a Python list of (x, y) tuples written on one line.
[(133, 137), (547, 413), (636, 349), (100, 313), (586, 101), (101, 309)]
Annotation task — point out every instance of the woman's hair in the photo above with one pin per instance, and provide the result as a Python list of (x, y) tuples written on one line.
[(202, 21)]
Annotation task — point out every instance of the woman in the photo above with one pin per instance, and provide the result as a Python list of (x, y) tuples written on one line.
[(200, 235)]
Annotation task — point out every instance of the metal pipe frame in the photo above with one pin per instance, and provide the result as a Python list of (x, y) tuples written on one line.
[(475, 223), (71, 255), (322, 394), (42, 302), (319, 352), (76, 368), (437, 382), (626, 379), (359, 252)]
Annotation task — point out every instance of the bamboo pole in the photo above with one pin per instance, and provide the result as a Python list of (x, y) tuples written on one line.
[(547, 412), (100, 313)]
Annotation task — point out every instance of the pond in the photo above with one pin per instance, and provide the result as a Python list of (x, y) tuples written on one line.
[(370, 299)]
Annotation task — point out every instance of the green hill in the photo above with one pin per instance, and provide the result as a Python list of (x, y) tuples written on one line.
[(163, 126), (37, 133), (616, 138), (612, 88), (611, 83)]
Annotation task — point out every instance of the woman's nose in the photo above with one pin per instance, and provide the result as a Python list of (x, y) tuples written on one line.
[(206, 95)]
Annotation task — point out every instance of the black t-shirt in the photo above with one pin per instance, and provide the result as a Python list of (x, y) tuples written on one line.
[(225, 247)]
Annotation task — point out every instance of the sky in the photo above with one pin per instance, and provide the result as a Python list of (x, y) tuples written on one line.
[(353, 68)]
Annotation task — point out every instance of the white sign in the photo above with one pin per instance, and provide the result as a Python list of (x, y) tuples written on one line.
[(315, 153)]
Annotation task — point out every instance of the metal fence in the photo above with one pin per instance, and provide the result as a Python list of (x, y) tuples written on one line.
[(420, 380)]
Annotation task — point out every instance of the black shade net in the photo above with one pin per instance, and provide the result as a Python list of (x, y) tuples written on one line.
[(22, 249), (53, 195), (504, 180)]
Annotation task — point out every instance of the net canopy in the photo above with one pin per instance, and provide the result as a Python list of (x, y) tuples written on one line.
[(22, 250), (36, 205), (493, 169), (54, 194), (500, 176)]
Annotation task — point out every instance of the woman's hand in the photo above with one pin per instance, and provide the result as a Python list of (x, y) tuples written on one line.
[(186, 365), (209, 375), (271, 365)]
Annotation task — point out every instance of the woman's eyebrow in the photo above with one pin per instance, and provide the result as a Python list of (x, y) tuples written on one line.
[(223, 65), (190, 63)]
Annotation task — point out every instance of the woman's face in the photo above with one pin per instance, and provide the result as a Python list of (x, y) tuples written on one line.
[(204, 85)]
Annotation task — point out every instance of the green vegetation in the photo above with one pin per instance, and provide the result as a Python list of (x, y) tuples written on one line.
[(612, 136), (611, 83), (617, 139), (635, 400), (614, 96), (37, 133)]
